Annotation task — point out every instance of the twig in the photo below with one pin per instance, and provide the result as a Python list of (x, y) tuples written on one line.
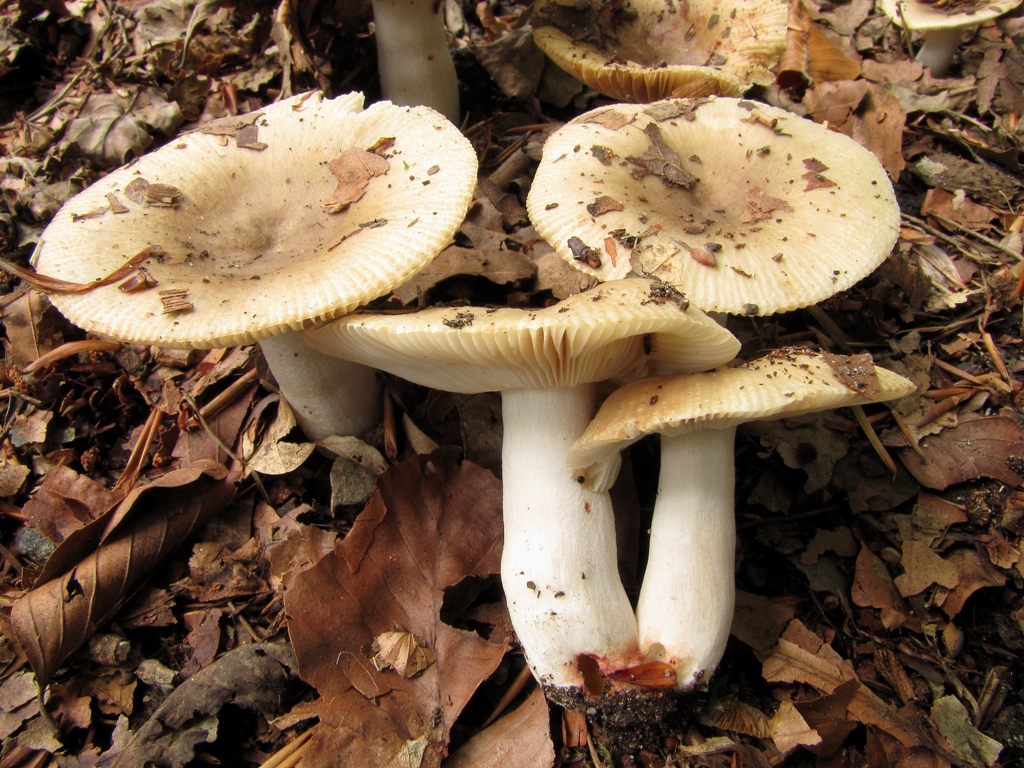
[(990, 345), (869, 431), (206, 426), (289, 754), (518, 684), (229, 395), (978, 236), (927, 228), (68, 349), (908, 435)]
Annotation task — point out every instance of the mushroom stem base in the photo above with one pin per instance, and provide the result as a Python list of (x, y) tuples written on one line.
[(558, 565), (328, 395), (686, 601)]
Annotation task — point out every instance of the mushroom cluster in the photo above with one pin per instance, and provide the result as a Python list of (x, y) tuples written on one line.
[(686, 601), (255, 226), (558, 563)]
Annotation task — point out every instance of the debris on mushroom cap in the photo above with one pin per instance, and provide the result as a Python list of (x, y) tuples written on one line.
[(625, 328), (783, 212), (261, 223), (644, 50), (784, 383), (924, 15)]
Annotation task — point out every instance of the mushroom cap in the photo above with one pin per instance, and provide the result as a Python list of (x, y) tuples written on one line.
[(783, 384), (626, 328), (247, 234), (782, 213), (645, 50), (916, 14)]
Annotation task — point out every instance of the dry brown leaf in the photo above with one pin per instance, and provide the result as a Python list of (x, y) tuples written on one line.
[(810, 56), (610, 119), (65, 502), (922, 567), (973, 573), (825, 670), (255, 677), (867, 113), (980, 446), (353, 168), (758, 621), (55, 618), (856, 372), (401, 652), (789, 730), (521, 739), (659, 159), (827, 716), (873, 587), (433, 522), (936, 514), (956, 207), (760, 207)]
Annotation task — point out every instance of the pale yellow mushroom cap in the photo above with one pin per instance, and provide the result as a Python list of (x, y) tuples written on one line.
[(780, 212), (644, 50), (627, 328), (920, 15), (783, 384), (240, 228)]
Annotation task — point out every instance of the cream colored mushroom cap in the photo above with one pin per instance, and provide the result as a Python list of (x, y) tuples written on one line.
[(784, 213), (248, 238), (627, 328), (646, 50), (914, 14), (783, 384)]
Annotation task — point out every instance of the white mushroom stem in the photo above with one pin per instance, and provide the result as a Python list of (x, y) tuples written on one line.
[(558, 566), (328, 395), (412, 55), (686, 601), (939, 48)]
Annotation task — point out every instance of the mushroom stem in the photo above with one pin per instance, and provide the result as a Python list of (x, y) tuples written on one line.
[(558, 566), (686, 601), (412, 55), (328, 395), (939, 48)]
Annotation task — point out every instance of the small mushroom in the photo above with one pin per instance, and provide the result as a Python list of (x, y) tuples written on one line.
[(686, 601), (413, 62), (559, 563), (745, 208), (257, 225), (943, 22), (645, 50)]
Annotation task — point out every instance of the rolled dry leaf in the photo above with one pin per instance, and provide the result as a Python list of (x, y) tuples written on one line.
[(54, 619), (810, 56)]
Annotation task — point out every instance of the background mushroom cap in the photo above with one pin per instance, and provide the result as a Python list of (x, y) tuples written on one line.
[(914, 14), (245, 232), (591, 336), (783, 384), (787, 211), (644, 50)]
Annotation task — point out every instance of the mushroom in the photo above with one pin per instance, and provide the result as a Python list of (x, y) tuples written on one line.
[(254, 226), (558, 563), (413, 62), (745, 208), (686, 601), (943, 22), (645, 50)]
